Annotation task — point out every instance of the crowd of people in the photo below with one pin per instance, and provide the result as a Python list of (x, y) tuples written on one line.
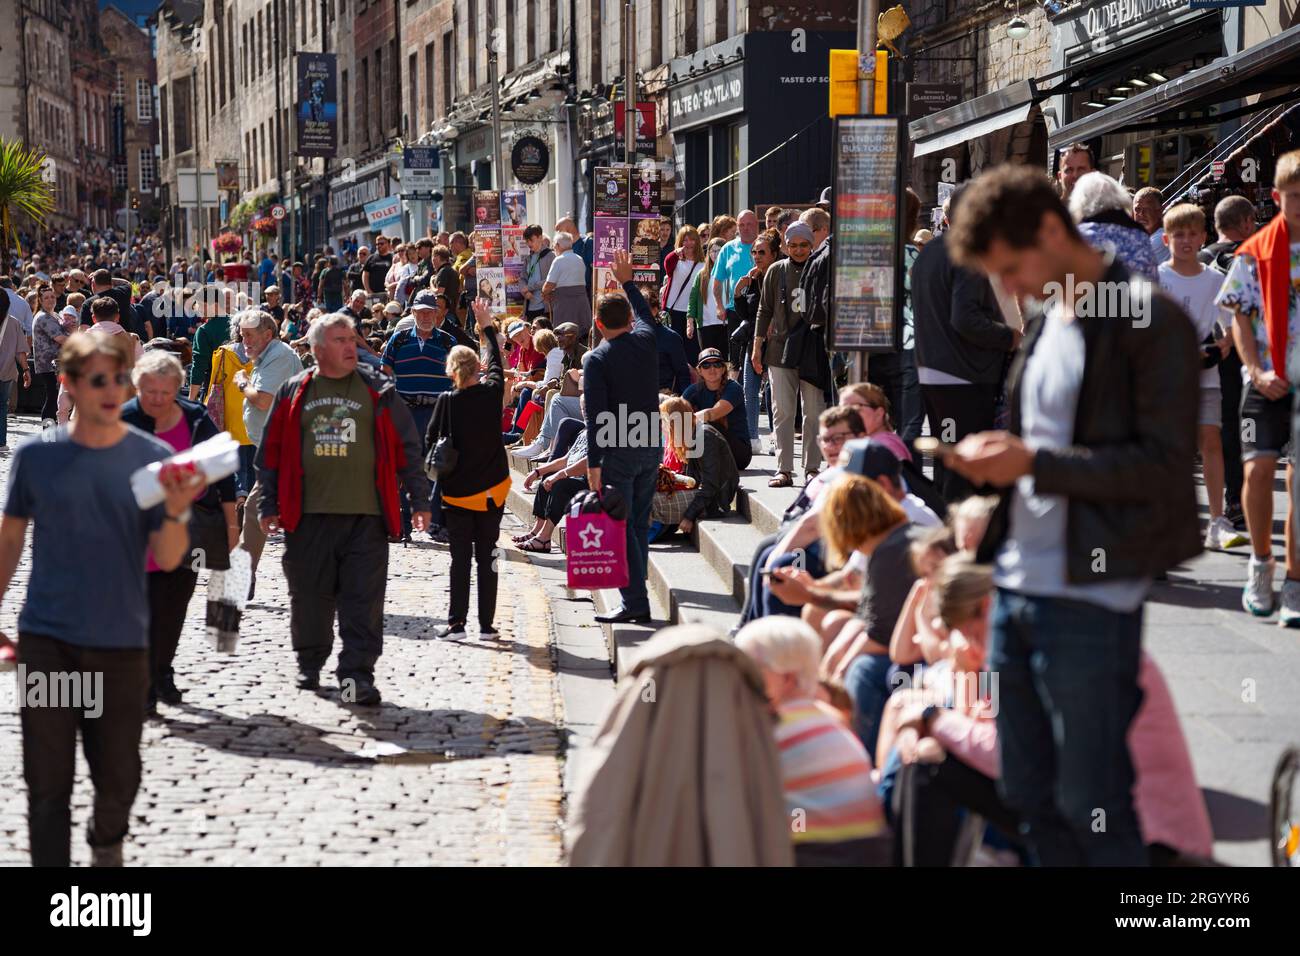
[(377, 397)]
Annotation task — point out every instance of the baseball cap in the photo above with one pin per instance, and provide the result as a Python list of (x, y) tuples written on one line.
[(871, 459), (425, 300), (825, 201), (515, 328), (709, 355), (71, 312), (392, 308)]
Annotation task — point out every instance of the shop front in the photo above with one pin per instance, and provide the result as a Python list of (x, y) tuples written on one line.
[(348, 197), (1201, 122), (749, 124)]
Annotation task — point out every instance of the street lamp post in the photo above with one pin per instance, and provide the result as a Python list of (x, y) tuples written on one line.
[(494, 45), (629, 75)]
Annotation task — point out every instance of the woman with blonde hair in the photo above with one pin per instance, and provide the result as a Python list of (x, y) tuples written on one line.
[(700, 453), (859, 516), (474, 491)]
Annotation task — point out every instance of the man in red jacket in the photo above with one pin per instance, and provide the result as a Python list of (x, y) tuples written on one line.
[(338, 440)]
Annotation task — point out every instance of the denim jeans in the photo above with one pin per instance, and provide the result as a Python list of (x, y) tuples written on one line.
[(247, 473), (1067, 694), (867, 682), (751, 381), (632, 472), (5, 388)]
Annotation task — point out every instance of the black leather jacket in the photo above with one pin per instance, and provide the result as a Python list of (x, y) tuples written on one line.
[(1128, 474)]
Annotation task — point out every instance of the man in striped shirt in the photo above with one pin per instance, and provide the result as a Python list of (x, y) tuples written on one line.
[(834, 812), (417, 359)]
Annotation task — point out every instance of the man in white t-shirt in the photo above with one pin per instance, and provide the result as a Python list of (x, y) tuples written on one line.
[(1195, 288)]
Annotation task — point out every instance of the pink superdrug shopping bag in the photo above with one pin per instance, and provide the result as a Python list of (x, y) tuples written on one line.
[(597, 550)]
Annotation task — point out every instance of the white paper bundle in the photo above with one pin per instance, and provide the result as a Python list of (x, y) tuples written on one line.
[(216, 458)]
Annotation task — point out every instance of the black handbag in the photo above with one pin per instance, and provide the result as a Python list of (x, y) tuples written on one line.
[(441, 460), (209, 543), (805, 348)]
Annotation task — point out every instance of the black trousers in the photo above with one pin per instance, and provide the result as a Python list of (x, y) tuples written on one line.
[(942, 791), (110, 739), (712, 337), (552, 504), (49, 382), (473, 537), (169, 599), (677, 319), (956, 411), (337, 564), (1230, 430), (895, 372), (741, 450)]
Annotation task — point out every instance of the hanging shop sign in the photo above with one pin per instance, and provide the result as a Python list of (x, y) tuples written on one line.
[(317, 122), (530, 159)]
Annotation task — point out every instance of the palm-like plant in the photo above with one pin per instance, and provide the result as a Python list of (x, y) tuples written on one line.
[(23, 191)]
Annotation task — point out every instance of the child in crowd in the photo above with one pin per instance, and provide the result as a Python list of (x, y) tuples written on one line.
[(835, 815), (1195, 288)]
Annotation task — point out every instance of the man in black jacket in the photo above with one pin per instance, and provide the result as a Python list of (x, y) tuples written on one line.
[(1099, 499), (961, 350)]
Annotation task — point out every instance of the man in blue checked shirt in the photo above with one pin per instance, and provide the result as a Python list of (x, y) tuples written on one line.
[(417, 360)]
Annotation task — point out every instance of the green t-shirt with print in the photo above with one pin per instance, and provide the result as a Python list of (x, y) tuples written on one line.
[(338, 447)]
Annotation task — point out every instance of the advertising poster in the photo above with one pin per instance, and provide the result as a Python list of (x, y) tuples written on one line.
[(487, 247), (611, 192), (604, 281), (514, 207), (317, 120), (866, 309), (514, 277), (610, 237), (514, 247), (487, 208), (492, 286), (645, 193), (645, 243)]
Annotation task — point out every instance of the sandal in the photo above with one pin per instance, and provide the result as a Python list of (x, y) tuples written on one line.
[(521, 538), (782, 479), (536, 546)]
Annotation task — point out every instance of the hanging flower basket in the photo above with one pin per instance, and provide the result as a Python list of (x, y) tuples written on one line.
[(227, 242), (265, 226)]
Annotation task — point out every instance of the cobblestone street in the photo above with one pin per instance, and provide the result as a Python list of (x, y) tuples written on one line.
[(461, 765)]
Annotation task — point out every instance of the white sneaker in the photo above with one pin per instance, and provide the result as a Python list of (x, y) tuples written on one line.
[(1290, 611), (531, 451), (1257, 597), (756, 446), (1221, 535), (452, 632)]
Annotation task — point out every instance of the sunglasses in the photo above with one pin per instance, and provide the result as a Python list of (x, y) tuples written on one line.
[(101, 379), (711, 365)]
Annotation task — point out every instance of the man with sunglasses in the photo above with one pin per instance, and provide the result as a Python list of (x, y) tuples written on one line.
[(87, 632)]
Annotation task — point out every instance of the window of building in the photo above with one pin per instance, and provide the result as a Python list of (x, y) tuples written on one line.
[(413, 84), (473, 44), (364, 76), (428, 86), (345, 117), (148, 170), (505, 50), (553, 15), (119, 176), (163, 131), (119, 90), (379, 96), (448, 72), (532, 30), (143, 100)]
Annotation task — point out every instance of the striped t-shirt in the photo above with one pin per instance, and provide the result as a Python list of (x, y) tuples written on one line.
[(826, 773)]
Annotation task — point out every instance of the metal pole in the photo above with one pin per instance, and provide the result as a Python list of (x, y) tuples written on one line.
[(497, 179), (291, 195), (868, 13), (629, 75)]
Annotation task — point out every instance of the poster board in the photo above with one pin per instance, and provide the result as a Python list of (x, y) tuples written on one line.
[(867, 208)]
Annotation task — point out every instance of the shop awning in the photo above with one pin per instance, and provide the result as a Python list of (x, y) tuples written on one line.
[(974, 118), (1265, 67)]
